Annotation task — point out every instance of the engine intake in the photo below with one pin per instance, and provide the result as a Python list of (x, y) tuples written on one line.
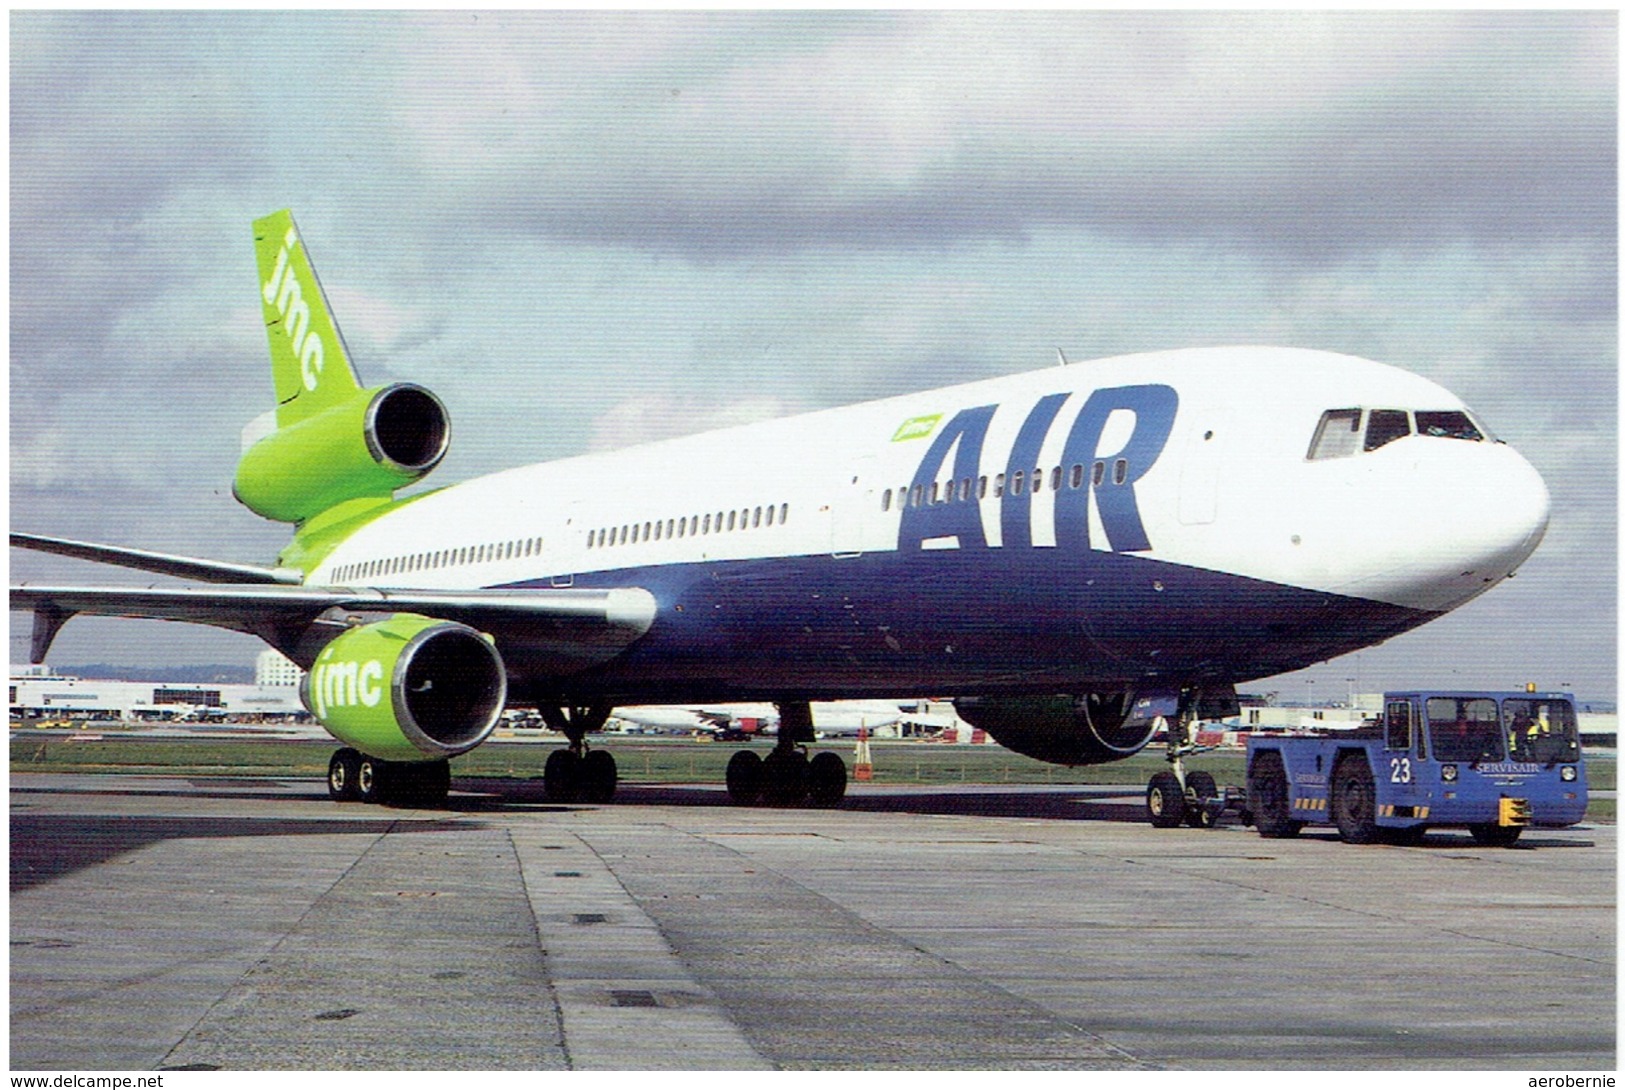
[(408, 689)]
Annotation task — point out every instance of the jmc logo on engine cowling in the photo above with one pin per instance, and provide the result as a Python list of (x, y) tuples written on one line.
[(345, 683)]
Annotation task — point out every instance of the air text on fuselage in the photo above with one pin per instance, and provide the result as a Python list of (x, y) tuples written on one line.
[(1107, 478)]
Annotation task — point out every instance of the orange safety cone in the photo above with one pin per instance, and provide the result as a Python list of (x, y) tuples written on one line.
[(862, 767)]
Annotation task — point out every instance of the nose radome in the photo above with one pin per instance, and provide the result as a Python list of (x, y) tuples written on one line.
[(1457, 519), (1501, 508), (1527, 511)]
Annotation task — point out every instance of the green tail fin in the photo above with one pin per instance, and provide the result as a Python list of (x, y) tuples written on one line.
[(309, 362)]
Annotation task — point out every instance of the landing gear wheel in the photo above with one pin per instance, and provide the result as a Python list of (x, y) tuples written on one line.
[(373, 780), (1496, 836), (1202, 785), (745, 778), (423, 785), (1165, 801), (1269, 798), (1354, 801), (784, 778), (561, 776), (341, 776), (826, 780), (598, 776)]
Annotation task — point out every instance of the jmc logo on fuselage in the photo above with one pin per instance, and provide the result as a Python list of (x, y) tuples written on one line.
[(1111, 489)]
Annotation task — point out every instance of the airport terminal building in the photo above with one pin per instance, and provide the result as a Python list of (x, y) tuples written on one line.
[(40, 692)]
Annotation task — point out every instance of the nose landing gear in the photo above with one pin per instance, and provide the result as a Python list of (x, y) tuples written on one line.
[(1177, 796)]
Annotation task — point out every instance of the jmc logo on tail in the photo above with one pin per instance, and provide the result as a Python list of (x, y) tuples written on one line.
[(1108, 477), (284, 292)]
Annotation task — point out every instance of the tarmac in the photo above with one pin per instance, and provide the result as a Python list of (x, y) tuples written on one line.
[(200, 924)]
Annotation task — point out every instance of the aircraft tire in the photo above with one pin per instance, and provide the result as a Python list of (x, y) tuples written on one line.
[(561, 776), (374, 780), (1203, 786), (1354, 800), (826, 780), (1490, 835), (745, 778), (784, 778), (1164, 801), (424, 785), (598, 776), (341, 775), (1268, 796)]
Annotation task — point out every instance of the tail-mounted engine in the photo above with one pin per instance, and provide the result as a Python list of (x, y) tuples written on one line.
[(408, 689), (367, 445)]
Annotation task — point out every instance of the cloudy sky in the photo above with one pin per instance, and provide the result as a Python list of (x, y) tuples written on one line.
[(585, 230)]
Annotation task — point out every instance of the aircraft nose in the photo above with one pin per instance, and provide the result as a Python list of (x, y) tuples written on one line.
[(1494, 508), (1469, 515)]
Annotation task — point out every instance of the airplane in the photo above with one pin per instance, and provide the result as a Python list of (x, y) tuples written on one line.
[(1052, 549)]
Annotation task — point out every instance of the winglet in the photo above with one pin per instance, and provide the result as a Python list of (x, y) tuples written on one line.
[(309, 361)]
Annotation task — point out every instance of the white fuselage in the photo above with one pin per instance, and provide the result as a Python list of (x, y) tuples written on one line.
[(1177, 488)]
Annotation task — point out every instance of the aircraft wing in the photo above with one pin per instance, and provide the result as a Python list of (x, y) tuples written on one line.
[(185, 567), (560, 630)]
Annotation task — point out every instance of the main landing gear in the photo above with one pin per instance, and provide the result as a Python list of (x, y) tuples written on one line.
[(786, 777), (576, 773), (355, 777)]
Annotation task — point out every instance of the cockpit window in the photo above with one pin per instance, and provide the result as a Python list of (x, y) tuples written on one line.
[(1385, 426), (1343, 432), (1447, 425), (1338, 435)]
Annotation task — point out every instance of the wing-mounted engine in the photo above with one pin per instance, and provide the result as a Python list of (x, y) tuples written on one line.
[(1090, 729), (1094, 728), (409, 688), (367, 445)]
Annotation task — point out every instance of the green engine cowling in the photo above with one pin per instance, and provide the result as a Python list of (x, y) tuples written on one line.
[(367, 445), (409, 688)]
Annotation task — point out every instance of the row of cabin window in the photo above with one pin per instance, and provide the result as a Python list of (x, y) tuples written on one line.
[(694, 525), (441, 558), (967, 488)]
